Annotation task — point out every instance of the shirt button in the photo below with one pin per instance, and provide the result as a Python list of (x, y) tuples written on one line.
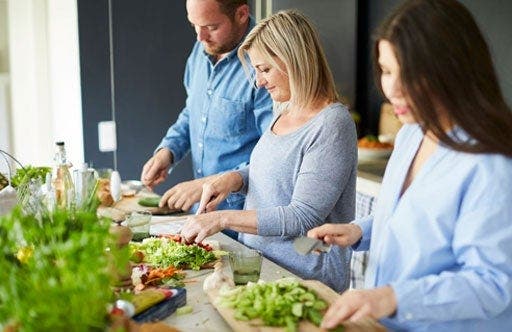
[(408, 316), (203, 119), (209, 92), (199, 171), (200, 145)]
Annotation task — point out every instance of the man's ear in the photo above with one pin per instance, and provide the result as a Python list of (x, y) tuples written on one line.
[(242, 14)]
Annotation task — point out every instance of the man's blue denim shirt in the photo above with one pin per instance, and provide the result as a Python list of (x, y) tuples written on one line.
[(223, 118)]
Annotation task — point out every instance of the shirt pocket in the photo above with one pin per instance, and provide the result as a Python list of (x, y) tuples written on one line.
[(227, 118)]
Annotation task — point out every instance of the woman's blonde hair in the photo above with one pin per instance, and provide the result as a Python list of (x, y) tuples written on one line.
[(289, 36)]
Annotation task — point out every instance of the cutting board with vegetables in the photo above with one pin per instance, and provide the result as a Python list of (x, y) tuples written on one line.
[(131, 204), (228, 314), (255, 325)]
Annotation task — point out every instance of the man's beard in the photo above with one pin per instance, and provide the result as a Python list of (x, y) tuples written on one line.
[(217, 49)]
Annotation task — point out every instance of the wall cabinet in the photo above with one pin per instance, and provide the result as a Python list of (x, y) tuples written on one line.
[(152, 40)]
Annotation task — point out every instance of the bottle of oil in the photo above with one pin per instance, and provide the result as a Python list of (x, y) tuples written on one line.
[(62, 181)]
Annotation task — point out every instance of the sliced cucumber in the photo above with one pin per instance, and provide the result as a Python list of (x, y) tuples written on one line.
[(149, 201)]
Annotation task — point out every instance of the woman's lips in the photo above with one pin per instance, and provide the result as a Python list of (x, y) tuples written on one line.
[(401, 110)]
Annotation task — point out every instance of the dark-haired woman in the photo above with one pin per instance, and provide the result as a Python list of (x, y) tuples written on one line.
[(440, 240)]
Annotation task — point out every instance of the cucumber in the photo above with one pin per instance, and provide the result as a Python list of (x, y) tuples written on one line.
[(147, 298), (149, 201)]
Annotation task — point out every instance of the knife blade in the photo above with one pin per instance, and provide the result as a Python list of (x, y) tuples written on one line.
[(305, 245)]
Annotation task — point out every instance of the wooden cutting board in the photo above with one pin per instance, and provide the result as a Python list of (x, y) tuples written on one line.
[(322, 290), (131, 204), (120, 210)]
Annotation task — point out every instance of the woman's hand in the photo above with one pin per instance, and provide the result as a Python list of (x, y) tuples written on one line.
[(198, 227), (217, 189), (344, 235), (183, 195), (359, 303)]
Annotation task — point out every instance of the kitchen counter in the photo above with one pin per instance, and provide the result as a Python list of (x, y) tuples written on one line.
[(204, 316), (369, 176)]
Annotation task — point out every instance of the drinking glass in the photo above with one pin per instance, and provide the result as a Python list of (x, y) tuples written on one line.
[(139, 223), (246, 265)]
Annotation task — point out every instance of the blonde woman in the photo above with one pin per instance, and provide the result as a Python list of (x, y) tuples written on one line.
[(302, 172)]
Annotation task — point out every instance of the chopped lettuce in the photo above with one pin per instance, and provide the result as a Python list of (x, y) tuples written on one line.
[(164, 252)]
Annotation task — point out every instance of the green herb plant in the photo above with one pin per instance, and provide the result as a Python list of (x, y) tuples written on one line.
[(56, 271), (27, 173)]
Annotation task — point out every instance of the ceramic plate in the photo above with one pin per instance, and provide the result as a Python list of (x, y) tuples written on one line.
[(372, 154)]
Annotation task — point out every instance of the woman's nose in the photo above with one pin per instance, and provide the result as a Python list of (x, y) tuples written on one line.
[(396, 89), (259, 81)]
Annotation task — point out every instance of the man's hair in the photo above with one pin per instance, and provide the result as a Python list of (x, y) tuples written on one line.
[(229, 7)]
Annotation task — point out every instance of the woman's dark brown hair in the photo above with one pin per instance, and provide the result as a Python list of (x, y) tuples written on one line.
[(447, 71)]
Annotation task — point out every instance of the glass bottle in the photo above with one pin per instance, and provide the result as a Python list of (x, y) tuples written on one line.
[(62, 181)]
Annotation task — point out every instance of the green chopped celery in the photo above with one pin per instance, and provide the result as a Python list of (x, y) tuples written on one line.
[(297, 309), (280, 303), (315, 317), (291, 325), (186, 309)]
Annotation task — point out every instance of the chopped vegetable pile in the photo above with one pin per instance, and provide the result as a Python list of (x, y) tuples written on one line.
[(164, 252), (144, 276), (280, 303)]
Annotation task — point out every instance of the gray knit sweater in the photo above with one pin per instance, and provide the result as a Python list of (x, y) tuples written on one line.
[(299, 181)]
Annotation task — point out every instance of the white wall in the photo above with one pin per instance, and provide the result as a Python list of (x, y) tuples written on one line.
[(64, 70), (45, 79), (4, 85)]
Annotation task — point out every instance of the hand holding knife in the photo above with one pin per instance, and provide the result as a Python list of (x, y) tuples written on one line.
[(305, 245)]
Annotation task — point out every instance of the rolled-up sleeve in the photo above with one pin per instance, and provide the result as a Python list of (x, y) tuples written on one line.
[(366, 226)]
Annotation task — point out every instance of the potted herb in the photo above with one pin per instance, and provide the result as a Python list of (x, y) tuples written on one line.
[(55, 271)]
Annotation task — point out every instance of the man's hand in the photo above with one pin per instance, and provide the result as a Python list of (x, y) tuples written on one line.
[(217, 188), (155, 169), (198, 227), (359, 303), (183, 195), (344, 235)]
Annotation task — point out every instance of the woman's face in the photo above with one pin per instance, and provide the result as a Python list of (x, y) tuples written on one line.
[(390, 82), (275, 80)]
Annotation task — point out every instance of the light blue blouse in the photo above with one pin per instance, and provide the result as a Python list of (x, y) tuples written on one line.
[(445, 245)]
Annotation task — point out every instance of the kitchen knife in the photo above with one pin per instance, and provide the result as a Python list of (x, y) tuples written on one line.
[(305, 245)]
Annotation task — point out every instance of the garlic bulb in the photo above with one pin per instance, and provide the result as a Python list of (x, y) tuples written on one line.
[(217, 279), (115, 186)]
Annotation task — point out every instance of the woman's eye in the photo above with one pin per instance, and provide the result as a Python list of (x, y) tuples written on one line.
[(264, 70)]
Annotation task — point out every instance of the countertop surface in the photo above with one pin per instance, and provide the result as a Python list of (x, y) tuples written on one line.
[(204, 316), (369, 176), (372, 169)]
